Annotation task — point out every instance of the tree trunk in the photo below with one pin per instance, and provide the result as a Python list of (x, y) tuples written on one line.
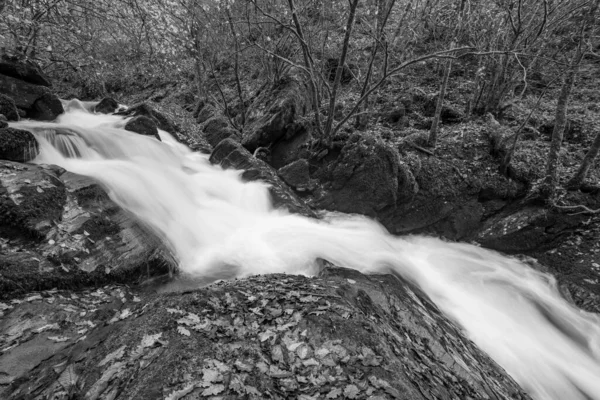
[(340, 68), (577, 180), (438, 109), (548, 188)]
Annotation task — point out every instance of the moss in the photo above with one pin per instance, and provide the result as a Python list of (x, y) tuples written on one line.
[(17, 145), (8, 108)]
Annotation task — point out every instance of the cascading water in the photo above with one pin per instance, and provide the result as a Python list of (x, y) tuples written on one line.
[(221, 227)]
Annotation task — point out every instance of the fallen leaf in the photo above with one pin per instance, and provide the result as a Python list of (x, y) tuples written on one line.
[(213, 390), (183, 331), (48, 327), (243, 366), (58, 339), (334, 393), (150, 340), (351, 391), (309, 299), (115, 355), (210, 375), (178, 394), (68, 378)]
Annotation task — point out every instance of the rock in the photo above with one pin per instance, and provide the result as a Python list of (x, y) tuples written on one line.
[(26, 71), (297, 175), (8, 108), (525, 229), (450, 114), (61, 230), (397, 115), (17, 145), (142, 125), (3, 123), (291, 147), (37, 101), (275, 114), (216, 129), (46, 108), (347, 70), (231, 154), (365, 177), (143, 109), (207, 112), (288, 336), (575, 130), (107, 105)]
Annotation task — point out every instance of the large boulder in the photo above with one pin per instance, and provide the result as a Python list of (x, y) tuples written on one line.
[(17, 145), (275, 113), (216, 129), (525, 229), (37, 101), (364, 176), (26, 71), (46, 108), (107, 105), (231, 154), (143, 126), (61, 230), (341, 335), (8, 108)]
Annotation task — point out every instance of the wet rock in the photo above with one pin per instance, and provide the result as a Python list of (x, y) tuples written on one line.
[(297, 175), (341, 335), (276, 113), (216, 129), (142, 125), (3, 121), (8, 108), (363, 176), (231, 154), (26, 71), (526, 229), (37, 101), (46, 108), (107, 105), (17, 145), (59, 229), (143, 109)]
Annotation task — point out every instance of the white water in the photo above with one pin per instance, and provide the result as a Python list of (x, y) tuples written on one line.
[(221, 227)]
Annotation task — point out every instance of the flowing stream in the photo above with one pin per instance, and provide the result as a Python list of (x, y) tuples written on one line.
[(221, 227)]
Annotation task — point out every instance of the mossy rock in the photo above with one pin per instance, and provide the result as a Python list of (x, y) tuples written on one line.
[(8, 108), (17, 145), (142, 125)]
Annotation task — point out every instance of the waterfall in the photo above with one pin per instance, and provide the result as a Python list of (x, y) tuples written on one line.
[(220, 227)]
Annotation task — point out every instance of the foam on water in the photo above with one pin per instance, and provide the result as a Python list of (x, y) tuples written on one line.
[(221, 227)]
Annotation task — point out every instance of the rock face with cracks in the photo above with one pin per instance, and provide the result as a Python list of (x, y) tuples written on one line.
[(341, 335), (231, 154), (59, 229)]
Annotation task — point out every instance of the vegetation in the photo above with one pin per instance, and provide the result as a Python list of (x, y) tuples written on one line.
[(504, 51)]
